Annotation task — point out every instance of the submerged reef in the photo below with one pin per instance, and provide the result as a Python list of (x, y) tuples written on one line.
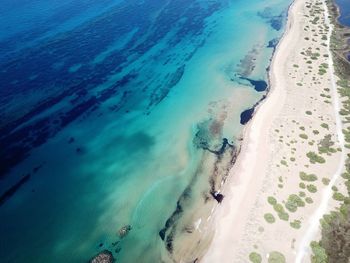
[(12, 190), (218, 156), (276, 21), (103, 257)]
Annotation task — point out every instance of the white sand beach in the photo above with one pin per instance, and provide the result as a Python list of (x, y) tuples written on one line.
[(290, 152)]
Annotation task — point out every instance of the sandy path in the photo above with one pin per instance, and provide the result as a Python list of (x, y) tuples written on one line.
[(313, 224)]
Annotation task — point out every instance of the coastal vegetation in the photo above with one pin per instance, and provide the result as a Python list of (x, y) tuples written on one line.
[(334, 245), (315, 158), (269, 218), (295, 224), (255, 257), (307, 177), (276, 257)]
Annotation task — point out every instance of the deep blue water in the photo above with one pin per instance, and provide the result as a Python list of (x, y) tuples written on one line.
[(117, 113), (344, 6)]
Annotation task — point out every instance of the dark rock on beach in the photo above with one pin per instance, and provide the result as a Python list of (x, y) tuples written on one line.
[(217, 196), (103, 257)]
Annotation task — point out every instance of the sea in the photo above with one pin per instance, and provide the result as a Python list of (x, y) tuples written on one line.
[(120, 121), (344, 7)]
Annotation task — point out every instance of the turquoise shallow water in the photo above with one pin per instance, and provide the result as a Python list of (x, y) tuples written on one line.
[(123, 113)]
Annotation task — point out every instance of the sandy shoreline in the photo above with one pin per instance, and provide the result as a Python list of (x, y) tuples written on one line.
[(297, 109)]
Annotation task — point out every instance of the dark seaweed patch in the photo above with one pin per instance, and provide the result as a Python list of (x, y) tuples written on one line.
[(259, 85), (273, 43), (275, 21), (13, 189), (246, 116)]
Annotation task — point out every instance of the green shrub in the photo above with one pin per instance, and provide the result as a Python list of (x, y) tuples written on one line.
[(325, 125), (315, 158), (276, 257), (319, 253), (311, 188), (309, 200), (293, 202), (307, 177), (271, 200), (302, 194), (335, 235), (269, 218), (295, 224), (338, 196), (303, 136), (255, 257)]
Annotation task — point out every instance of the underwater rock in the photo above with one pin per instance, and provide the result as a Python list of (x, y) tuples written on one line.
[(273, 43), (124, 231), (103, 257), (217, 196)]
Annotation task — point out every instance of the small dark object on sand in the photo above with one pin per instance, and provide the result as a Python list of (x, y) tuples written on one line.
[(217, 196), (103, 257)]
